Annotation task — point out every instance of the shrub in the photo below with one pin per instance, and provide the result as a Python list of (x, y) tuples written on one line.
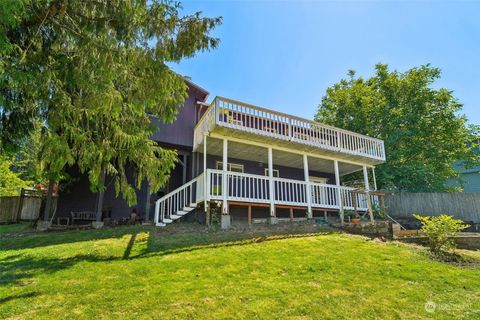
[(214, 218), (350, 213), (378, 210), (440, 232)]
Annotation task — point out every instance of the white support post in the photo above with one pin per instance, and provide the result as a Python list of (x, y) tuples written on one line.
[(157, 212), (365, 178), (307, 186), (217, 111), (367, 191), (224, 177), (271, 183), (206, 187), (339, 191), (374, 179)]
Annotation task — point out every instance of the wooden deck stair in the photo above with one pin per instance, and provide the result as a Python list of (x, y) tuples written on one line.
[(178, 203)]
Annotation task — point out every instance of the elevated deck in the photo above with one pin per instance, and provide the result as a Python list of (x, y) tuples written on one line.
[(249, 189), (228, 117)]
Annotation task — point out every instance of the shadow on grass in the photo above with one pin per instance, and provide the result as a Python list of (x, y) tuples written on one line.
[(43, 239), (154, 249), (128, 249), (18, 269), (18, 296)]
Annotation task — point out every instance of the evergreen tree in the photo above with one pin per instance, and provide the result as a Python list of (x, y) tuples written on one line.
[(94, 73)]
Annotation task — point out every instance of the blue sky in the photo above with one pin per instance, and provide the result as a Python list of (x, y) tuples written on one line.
[(284, 54)]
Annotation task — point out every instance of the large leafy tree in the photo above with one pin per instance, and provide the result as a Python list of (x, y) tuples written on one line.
[(10, 182), (423, 130), (94, 73)]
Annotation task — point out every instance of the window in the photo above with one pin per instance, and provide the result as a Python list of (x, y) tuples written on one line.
[(276, 173), (234, 167), (318, 180)]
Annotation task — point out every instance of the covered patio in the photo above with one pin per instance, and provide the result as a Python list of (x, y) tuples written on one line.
[(251, 174)]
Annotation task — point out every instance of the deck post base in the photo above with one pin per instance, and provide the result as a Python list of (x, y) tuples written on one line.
[(225, 221), (273, 220), (43, 225), (97, 224)]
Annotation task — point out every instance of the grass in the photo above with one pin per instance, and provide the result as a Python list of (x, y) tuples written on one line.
[(140, 273), (14, 228)]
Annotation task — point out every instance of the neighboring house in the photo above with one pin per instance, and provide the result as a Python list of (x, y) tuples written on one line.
[(469, 179), (254, 163)]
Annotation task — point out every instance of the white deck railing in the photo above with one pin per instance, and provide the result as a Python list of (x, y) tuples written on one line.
[(246, 187), (179, 201), (248, 118)]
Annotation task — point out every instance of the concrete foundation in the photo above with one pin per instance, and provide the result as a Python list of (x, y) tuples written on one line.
[(97, 224), (273, 220), (376, 229), (225, 221), (43, 225)]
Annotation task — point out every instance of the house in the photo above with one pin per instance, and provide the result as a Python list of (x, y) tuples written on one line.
[(249, 164), (469, 178)]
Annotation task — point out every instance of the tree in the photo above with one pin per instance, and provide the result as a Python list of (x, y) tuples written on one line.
[(27, 161), (94, 73), (421, 126), (10, 182)]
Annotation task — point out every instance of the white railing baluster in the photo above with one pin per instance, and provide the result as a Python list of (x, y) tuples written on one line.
[(233, 114)]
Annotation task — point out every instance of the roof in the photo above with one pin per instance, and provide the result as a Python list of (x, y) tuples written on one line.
[(204, 92)]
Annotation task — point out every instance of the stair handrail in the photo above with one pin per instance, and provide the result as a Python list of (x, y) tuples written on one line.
[(171, 193), (179, 188), (389, 217)]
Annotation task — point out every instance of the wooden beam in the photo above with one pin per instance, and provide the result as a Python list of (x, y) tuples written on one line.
[(246, 204), (280, 206), (291, 214), (286, 206), (367, 190), (374, 179), (249, 215)]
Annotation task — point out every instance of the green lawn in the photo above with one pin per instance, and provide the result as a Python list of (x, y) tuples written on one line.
[(139, 273), (14, 228)]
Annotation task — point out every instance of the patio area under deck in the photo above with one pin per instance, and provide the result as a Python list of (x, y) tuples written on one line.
[(288, 188)]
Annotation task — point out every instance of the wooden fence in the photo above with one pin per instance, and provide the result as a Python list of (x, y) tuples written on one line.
[(9, 209), (464, 206), (24, 207)]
